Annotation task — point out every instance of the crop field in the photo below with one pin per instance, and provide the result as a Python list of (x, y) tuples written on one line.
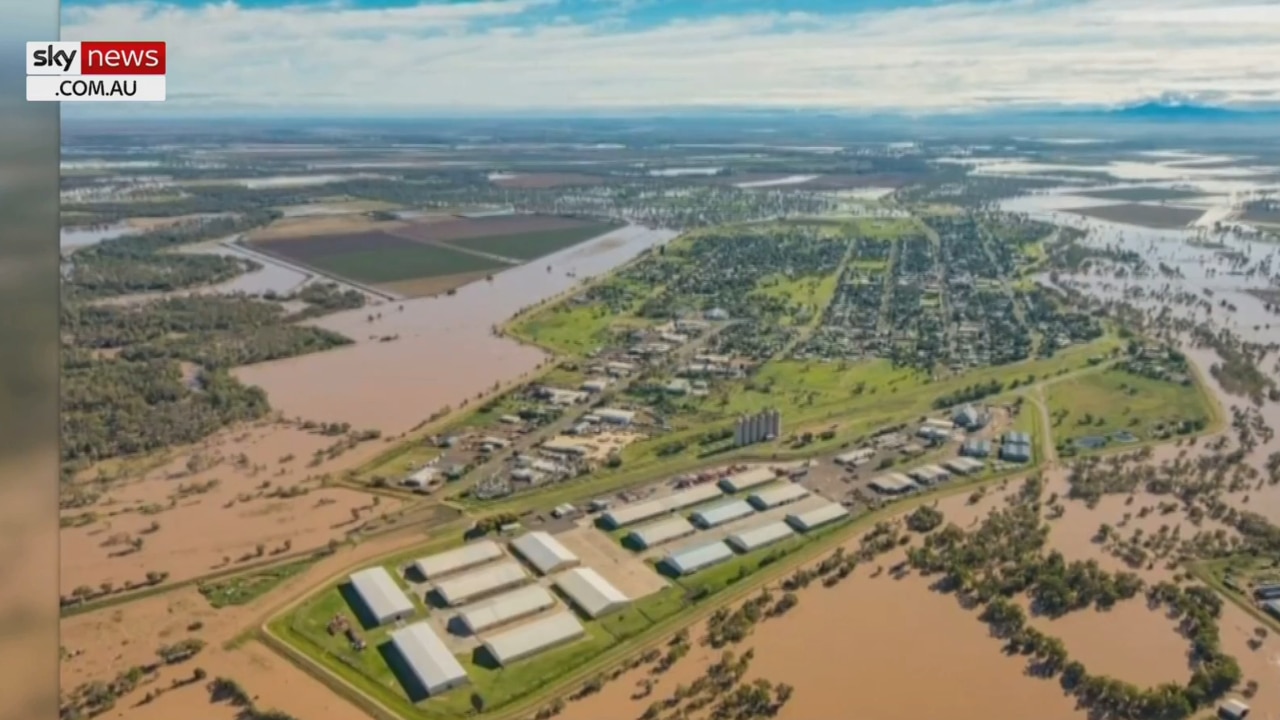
[(1151, 216), (1142, 194), (490, 227), (1104, 404), (533, 245)]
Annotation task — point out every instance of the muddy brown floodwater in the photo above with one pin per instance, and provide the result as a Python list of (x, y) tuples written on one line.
[(445, 351)]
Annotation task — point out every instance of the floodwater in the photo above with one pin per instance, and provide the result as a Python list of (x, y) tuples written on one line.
[(788, 180), (278, 181), (72, 238), (444, 352)]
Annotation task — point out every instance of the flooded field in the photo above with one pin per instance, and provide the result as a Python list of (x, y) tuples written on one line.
[(71, 238), (444, 351)]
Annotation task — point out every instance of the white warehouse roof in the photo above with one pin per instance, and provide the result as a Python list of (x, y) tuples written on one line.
[(693, 496), (428, 659), (460, 589), (594, 595), (380, 594), (544, 552), (660, 532), (723, 513), (434, 566), (691, 560), (505, 608), (748, 479), (781, 495), (535, 637), (817, 517), (758, 537), (631, 514)]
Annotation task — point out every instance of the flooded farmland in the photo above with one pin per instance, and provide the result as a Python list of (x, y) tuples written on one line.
[(441, 351)]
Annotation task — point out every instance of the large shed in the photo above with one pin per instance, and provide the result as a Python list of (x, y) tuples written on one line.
[(691, 560), (381, 597), (544, 552), (427, 659), (695, 495), (588, 590), (816, 518), (892, 484), (434, 567), (778, 496), (663, 531), (760, 536), (475, 585), (534, 637), (633, 514), (722, 513), (747, 479), (505, 608)]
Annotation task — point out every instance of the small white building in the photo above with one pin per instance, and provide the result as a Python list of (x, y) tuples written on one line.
[(590, 592), (505, 609), (691, 560), (382, 598), (534, 637), (818, 517), (428, 659), (761, 536), (854, 458), (614, 416), (434, 567), (663, 531), (722, 514), (475, 585), (543, 551)]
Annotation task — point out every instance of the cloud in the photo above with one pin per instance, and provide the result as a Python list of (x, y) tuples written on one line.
[(509, 55)]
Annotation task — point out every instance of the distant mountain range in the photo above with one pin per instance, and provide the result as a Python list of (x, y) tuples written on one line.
[(1169, 111)]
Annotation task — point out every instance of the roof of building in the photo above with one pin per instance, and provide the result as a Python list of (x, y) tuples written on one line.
[(590, 591), (723, 513), (784, 493), (380, 593), (662, 531), (817, 517), (693, 496), (517, 643), (543, 551), (427, 657), (616, 414), (929, 472), (747, 479), (629, 514), (469, 555), (984, 444), (760, 536), (564, 445), (854, 456), (892, 482), (494, 577), (698, 556), (505, 607), (1017, 437)]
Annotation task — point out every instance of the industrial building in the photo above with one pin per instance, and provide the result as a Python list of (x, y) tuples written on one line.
[(762, 426), (971, 418), (663, 531), (1266, 591), (475, 585), (1272, 608), (893, 484), (381, 596), (722, 513), (543, 551), (758, 537), (778, 496), (434, 567), (1015, 452), (699, 557), (590, 592), (632, 514), (614, 416), (976, 448), (854, 458), (427, 658), (505, 608), (535, 637), (964, 465), (816, 518), (928, 474), (747, 479)]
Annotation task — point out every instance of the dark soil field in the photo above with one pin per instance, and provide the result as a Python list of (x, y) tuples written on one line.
[(1150, 216), (464, 229), (307, 249), (1267, 217), (376, 257), (530, 246), (1142, 194)]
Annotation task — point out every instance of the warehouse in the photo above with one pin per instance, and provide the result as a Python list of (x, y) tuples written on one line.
[(544, 552), (505, 608), (976, 448), (964, 465), (535, 637), (929, 474), (755, 477), (816, 518), (722, 513), (893, 484), (639, 512), (382, 598), (427, 659), (699, 557), (614, 416), (434, 567), (758, 537), (663, 531), (854, 458), (778, 496), (475, 585), (590, 592)]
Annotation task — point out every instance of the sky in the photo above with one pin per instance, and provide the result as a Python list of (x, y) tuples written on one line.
[(440, 57)]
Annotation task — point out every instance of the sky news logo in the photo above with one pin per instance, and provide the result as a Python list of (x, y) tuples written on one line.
[(102, 71)]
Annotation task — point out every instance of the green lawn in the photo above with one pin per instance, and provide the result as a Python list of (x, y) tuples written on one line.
[(244, 589), (529, 246), (572, 331), (402, 263), (1113, 400)]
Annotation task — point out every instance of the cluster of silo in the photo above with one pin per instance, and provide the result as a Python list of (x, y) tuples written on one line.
[(762, 426)]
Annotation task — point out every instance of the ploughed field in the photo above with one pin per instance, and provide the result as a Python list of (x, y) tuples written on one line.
[(432, 257)]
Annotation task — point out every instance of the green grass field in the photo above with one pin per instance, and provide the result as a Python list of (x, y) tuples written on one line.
[(402, 263), (529, 246), (571, 331), (1098, 404), (244, 589)]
